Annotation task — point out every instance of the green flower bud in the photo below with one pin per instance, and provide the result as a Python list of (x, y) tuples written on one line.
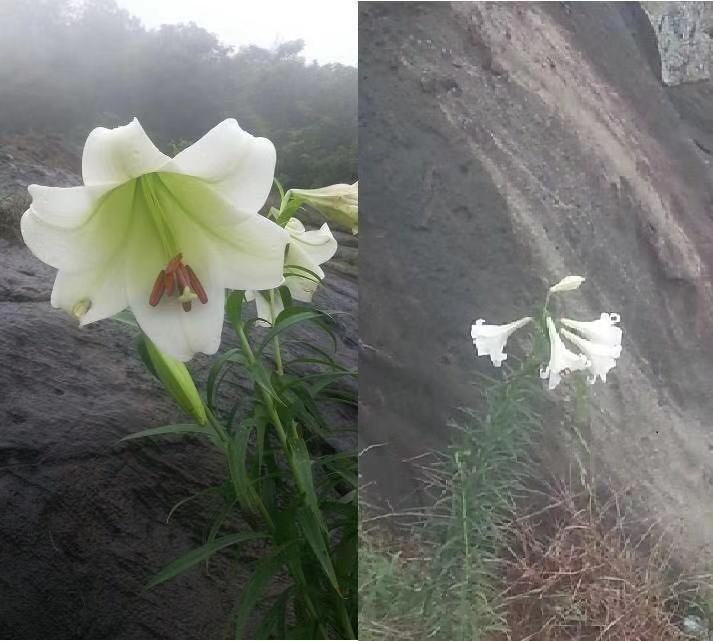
[(177, 381)]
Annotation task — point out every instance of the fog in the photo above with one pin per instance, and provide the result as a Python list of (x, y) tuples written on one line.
[(67, 67)]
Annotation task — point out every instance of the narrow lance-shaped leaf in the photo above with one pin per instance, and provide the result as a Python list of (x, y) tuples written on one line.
[(201, 554), (314, 534), (183, 428), (265, 570)]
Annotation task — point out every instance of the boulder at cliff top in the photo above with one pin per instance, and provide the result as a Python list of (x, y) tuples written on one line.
[(502, 147)]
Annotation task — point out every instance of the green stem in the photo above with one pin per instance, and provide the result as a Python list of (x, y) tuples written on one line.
[(276, 340), (282, 436), (270, 405), (225, 440)]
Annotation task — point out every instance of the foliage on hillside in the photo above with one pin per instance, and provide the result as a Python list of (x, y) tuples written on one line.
[(68, 67)]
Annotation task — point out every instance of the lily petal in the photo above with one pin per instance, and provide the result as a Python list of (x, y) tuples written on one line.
[(91, 295), (561, 359), (601, 357), (88, 245), (302, 285), (65, 207), (306, 252), (251, 253), (237, 164), (116, 155), (603, 330), (193, 197), (319, 244)]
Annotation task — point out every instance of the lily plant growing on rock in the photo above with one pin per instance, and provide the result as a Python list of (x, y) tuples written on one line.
[(175, 247), (598, 341)]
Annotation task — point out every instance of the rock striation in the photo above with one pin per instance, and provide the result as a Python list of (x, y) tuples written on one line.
[(502, 147)]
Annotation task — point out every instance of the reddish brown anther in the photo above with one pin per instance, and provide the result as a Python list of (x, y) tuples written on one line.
[(170, 283), (178, 280), (158, 288), (174, 263), (196, 285), (182, 278)]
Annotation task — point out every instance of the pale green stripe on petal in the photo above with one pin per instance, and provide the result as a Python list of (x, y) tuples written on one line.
[(175, 332)]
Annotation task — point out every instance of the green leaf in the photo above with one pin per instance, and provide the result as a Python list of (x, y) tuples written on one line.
[(302, 272), (294, 316), (345, 469), (289, 209), (280, 188), (201, 554), (214, 375), (346, 556), (286, 296), (266, 568), (275, 621), (303, 469), (143, 351), (244, 490), (191, 498), (309, 345), (127, 318), (260, 377), (220, 519), (314, 534), (182, 428)]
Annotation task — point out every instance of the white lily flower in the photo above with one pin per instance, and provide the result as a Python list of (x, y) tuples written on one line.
[(162, 236), (567, 284), (338, 203), (602, 357), (307, 250), (561, 359), (490, 340), (603, 330)]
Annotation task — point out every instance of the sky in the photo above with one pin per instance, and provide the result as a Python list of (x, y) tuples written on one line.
[(328, 27)]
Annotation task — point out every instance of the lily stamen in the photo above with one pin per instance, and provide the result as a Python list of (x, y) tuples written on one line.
[(174, 263), (196, 285), (179, 280), (159, 287), (170, 283)]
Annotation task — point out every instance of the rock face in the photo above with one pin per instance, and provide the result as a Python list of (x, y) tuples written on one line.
[(683, 31), (83, 518), (502, 147)]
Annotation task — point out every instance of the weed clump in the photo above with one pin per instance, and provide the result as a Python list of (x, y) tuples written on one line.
[(574, 570)]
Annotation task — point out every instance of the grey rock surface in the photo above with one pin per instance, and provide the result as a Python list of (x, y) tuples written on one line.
[(82, 516), (502, 147), (683, 31)]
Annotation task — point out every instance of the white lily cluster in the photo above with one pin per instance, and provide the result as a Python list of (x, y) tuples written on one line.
[(167, 236), (598, 341)]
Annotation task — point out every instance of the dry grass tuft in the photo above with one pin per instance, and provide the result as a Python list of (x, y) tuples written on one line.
[(574, 571)]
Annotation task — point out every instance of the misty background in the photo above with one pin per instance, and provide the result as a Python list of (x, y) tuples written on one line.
[(67, 67)]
